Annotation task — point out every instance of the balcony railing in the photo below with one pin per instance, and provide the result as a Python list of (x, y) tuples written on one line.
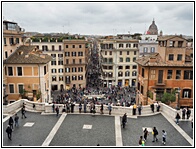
[(67, 81)]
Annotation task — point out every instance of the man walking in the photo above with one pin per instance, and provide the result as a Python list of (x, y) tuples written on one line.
[(164, 134), (23, 112), (9, 132), (155, 133), (16, 118), (11, 122)]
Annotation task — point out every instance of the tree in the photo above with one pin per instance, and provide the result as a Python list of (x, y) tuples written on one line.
[(168, 97)]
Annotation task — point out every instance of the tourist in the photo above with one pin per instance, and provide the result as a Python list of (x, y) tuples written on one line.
[(158, 106), (188, 113), (53, 108), (9, 132), (134, 109), (139, 109), (141, 143), (80, 107), (164, 134), (84, 106), (57, 111), (152, 107), (101, 108), (109, 108), (124, 120), (11, 122), (155, 133), (145, 134), (72, 107), (16, 118), (23, 112), (177, 118)]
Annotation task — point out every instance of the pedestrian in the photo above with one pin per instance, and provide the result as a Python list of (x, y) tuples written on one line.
[(11, 122), (68, 107), (16, 118), (134, 109), (23, 112), (158, 106), (101, 109), (80, 107), (177, 118), (188, 113), (139, 109), (183, 113), (33, 106), (124, 120), (84, 106), (9, 132), (53, 107), (57, 111), (140, 141), (145, 134), (155, 133), (109, 108), (152, 107), (164, 134), (72, 107)]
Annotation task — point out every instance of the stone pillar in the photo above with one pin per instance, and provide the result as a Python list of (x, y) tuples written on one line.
[(154, 96)]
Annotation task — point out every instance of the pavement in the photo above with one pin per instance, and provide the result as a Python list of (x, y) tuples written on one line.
[(74, 129)]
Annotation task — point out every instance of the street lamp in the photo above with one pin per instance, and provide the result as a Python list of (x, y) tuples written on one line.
[(47, 95), (178, 91)]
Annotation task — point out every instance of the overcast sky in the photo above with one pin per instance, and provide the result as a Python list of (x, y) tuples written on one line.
[(103, 18)]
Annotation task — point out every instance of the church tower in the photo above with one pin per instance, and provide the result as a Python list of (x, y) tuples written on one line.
[(153, 30)]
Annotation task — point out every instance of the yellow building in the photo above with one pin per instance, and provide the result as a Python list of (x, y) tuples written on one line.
[(27, 73)]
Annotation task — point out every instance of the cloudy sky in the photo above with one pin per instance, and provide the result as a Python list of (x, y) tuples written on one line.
[(103, 18)]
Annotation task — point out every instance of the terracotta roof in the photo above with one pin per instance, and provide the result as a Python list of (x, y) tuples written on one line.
[(167, 37), (28, 55), (156, 60)]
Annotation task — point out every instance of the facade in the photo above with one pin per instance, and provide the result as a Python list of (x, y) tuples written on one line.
[(169, 69), (26, 71), (118, 62)]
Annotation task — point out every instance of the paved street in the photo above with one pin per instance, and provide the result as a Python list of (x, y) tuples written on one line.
[(87, 130)]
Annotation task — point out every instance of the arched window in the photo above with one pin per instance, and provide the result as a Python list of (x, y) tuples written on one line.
[(127, 67), (110, 74), (134, 73), (127, 74), (120, 73), (127, 59)]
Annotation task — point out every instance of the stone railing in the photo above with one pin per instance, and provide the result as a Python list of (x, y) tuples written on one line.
[(116, 110)]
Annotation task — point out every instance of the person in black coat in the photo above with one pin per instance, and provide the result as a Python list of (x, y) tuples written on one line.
[(9, 132), (152, 107), (23, 112), (72, 107), (11, 122)]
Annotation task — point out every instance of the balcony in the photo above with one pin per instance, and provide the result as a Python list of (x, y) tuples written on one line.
[(160, 83), (68, 81)]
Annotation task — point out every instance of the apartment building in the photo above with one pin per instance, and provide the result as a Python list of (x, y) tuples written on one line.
[(169, 69), (118, 61), (27, 71)]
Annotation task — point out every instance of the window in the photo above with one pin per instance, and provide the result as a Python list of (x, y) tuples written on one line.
[(180, 43), (61, 70), (134, 59), (67, 61), (73, 53), (105, 52), (74, 69), (105, 60), (67, 54), (121, 45), (128, 45), (127, 74), (127, 59), (152, 49), (110, 74), (188, 75), (110, 52), (80, 77), (67, 69), (169, 74), (73, 61), (52, 47), (135, 45), (44, 70), (6, 55), (127, 52), (120, 67), (73, 46), (171, 43), (60, 78), (74, 77), (59, 47), (53, 78), (171, 57), (53, 62), (186, 93), (10, 71), (120, 52), (134, 73), (110, 67), (60, 62), (11, 88), (110, 60), (67, 46), (53, 55), (80, 69), (60, 55), (53, 70), (178, 74), (80, 46), (120, 74), (143, 72), (67, 79), (17, 41), (20, 88), (179, 57), (37, 47), (121, 59), (19, 70), (11, 41), (152, 74), (135, 52), (134, 67), (80, 53), (4, 41), (142, 89), (44, 48), (127, 67), (145, 50)]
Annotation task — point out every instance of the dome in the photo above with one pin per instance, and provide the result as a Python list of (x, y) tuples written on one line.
[(153, 30)]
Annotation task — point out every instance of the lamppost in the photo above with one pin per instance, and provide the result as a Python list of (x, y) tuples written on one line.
[(47, 95), (178, 91)]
